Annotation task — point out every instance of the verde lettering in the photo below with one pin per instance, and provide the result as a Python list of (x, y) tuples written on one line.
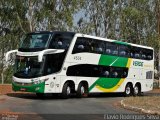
[(137, 63)]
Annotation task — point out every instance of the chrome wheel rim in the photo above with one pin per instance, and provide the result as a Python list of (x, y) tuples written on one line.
[(136, 90), (128, 90), (82, 90), (68, 90)]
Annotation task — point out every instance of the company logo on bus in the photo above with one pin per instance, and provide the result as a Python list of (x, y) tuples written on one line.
[(137, 63)]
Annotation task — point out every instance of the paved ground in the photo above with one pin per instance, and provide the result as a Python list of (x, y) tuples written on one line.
[(98, 104), (94, 107)]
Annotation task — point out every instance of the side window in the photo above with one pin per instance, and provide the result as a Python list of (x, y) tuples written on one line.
[(81, 45), (118, 72), (111, 48), (52, 67), (135, 52), (98, 47), (149, 74), (141, 53), (83, 70), (105, 72), (144, 54), (149, 54), (60, 41), (124, 51), (88, 70)]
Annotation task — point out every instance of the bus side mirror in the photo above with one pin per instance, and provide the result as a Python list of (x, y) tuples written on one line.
[(8, 54)]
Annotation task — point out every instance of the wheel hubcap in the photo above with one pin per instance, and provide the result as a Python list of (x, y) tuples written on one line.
[(68, 90), (128, 90), (82, 90), (136, 90)]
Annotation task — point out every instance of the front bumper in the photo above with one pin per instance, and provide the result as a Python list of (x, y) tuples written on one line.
[(36, 88)]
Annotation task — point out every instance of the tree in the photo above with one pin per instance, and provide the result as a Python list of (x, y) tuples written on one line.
[(18, 17)]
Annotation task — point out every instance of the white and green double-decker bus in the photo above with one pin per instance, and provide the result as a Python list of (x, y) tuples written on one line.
[(67, 62)]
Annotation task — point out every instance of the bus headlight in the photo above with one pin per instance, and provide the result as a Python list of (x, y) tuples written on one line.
[(40, 81), (43, 80)]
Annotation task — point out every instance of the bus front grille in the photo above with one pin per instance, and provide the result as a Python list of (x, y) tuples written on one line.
[(23, 84)]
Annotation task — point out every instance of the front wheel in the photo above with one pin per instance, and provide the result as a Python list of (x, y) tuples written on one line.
[(82, 90), (66, 91)]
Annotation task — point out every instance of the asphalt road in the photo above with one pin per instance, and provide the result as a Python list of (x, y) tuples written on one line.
[(95, 107)]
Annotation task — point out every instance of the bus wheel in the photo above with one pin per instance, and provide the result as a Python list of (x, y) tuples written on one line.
[(137, 90), (128, 90), (40, 95), (66, 92), (82, 90)]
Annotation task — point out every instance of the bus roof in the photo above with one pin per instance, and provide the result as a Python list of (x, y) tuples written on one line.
[(43, 32)]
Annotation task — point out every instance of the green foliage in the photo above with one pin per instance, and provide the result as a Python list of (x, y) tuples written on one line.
[(18, 17)]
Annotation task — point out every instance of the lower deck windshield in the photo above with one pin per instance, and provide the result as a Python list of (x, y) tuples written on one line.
[(29, 67)]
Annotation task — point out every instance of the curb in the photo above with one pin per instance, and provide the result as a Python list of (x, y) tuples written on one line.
[(138, 109)]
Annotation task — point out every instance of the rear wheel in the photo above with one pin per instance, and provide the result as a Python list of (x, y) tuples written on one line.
[(137, 90), (128, 90), (82, 90), (66, 92)]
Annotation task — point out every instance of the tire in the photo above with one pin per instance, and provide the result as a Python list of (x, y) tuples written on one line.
[(40, 95), (66, 91), (128, 90), (137, 90), (82, 91)]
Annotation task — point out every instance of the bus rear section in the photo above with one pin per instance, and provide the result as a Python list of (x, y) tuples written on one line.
[(112, 66)]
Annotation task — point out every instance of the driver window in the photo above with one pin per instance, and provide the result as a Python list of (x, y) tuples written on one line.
[(54, 63)]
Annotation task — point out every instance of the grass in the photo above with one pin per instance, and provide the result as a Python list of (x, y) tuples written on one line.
[(146, 102)]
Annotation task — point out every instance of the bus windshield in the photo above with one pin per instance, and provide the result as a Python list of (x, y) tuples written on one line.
[(28, 67), (39, 40)]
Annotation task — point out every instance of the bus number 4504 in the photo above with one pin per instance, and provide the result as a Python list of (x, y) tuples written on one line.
[(77, 58)]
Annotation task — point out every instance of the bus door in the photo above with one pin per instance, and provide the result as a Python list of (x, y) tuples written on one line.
[(58, 83)]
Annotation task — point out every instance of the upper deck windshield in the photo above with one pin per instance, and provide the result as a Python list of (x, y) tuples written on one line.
[(34, 41), (46, 40)]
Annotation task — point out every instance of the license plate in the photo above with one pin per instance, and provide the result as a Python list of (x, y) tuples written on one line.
[(23, 89)]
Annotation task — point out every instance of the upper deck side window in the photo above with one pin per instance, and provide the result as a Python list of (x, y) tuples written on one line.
[(60, 41), (141, 53), (82, 45), (111, 48), (124, 50), (98, 46), (147, 54), (90, 45)]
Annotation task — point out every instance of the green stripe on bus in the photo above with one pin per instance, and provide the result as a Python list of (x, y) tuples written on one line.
[(105, 83), (113, 61), (120, 42), (107, 60)]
